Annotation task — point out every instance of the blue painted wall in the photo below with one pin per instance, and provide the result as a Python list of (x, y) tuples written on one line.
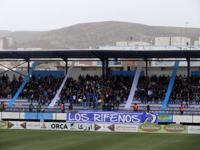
[(43, 73), (125, 73), (195, 73), (38, 116)]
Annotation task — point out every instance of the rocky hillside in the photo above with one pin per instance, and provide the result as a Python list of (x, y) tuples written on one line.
[(95, 34)]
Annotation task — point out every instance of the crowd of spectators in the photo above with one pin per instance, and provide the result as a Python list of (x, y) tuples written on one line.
[(186, 90), (93, 91), (41, 89), (88, 91), (152, 89), (8, 87)]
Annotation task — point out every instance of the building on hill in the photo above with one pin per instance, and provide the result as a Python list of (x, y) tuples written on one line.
[(1, 44), (197, 42), (172, 41), (132, 43), (6, 42)]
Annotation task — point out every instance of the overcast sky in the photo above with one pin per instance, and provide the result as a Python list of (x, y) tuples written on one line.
[(52, 14)]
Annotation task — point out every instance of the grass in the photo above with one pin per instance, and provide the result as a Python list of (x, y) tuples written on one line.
[(60, 140)]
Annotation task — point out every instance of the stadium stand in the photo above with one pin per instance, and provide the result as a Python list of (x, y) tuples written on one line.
[(94, 92)]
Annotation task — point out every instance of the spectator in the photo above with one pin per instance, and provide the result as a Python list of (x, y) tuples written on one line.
[(70, 107), (31, 107), (135, 107), (62, 107), (1, 106), (39, 107), (148, 108), (181, 109)]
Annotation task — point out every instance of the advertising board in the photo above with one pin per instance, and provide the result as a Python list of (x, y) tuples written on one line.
[(70, 126), (155, 128), (104, 127), (16, 125), (51, 126), (36, 125), (165, 118), (3, 125), (126, 128), (193, 129), (175, 128), (152, 128)]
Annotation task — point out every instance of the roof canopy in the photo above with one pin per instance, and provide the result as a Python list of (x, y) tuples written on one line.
[(101, 54)]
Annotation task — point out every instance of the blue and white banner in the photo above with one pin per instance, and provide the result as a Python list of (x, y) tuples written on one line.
[(134, 86), (26, 80), (170, 86), (56, 97), (111, 117)]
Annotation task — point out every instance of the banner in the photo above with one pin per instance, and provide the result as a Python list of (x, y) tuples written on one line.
[(170, 86), (26, 80), (36, 125), (111, 117), (3, 125), (104, 127), (51, 126), (126, 128), (56, 97), (165, 118), (155, 128), (16, 125), (193, 129), (134, 86), (175, 128), (152, 128), (101, 127), (70, 126)]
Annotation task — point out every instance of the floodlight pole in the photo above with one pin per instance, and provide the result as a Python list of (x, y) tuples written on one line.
[(28, 65), (188, 67), (104, 67), (146, 67), (66, 65), (107, 63)]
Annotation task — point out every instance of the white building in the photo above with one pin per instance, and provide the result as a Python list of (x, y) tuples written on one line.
[(6, 42), (172, 41), (1, 44), (162, 41), (197, 43), (131, 43)]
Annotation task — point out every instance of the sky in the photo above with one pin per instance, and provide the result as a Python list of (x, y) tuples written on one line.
[(39, 15)]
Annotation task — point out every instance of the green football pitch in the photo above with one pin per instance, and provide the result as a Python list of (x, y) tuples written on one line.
[(60, 140)]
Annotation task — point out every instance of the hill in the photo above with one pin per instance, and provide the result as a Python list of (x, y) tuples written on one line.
[(95, 34)]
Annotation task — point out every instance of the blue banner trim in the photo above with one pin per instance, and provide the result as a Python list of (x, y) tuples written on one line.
[(26, 80), (170, 86)]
